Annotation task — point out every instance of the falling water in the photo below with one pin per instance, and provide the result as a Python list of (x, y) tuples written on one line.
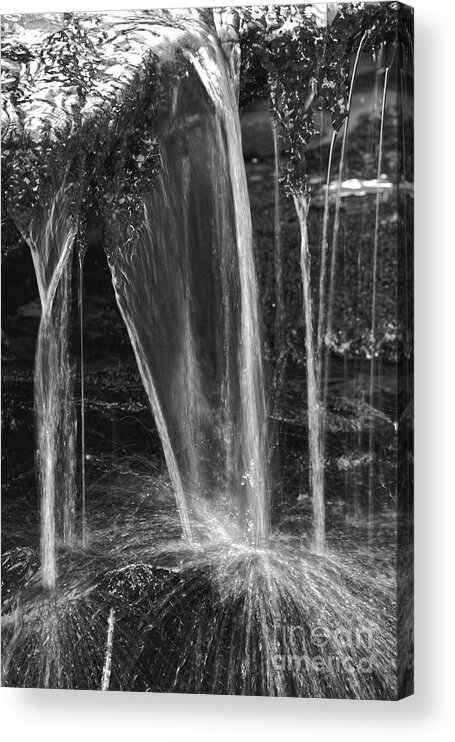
[(278, 261), (67, 432), (336, 223), (323, 268), (404, 398), (80, 304), (301, 203), (187, 292), (55, 417), (321, 309), (371, 472)]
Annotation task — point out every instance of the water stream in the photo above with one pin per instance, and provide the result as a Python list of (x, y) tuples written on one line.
[(336, 221), (316, 459), (371, 473), (187, 292), (51, 237), (80, 303), (278, 259)]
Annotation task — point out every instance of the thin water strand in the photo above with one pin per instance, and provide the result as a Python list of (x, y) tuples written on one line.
[(371, 437), (80, 303), (301, 203), (323, 267), (336, 221), (278, 259), (106, 678)]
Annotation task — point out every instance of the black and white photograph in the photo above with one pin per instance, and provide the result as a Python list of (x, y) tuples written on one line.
[(207, 350)]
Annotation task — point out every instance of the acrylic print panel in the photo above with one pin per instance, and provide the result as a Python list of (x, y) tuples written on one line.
[(207, 341)]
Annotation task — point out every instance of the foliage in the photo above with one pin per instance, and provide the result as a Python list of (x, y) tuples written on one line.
[(66, 112), (43, 139), (351, 336), (303, 64), (71, 116), (121, 173)]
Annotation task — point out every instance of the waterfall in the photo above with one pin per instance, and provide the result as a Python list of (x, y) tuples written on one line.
[(187, 291)]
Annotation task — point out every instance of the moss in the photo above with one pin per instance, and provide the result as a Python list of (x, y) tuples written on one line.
[(303, 68), (68, 116)]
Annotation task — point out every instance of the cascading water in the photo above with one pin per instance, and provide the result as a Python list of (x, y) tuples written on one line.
[(316, 459), (278, 259), (336, 222), (51, 241), (187, 292), (80, 302), (323, 269), (210, 612), (371, 442)]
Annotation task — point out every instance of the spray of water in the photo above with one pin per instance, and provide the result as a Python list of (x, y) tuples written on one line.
[(105, 680), (229, 618)]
